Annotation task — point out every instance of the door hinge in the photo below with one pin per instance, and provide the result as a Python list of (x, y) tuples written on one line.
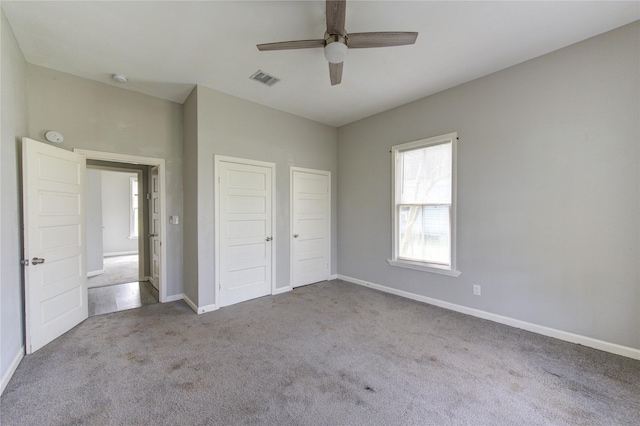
[(24, 262), (148, 196)]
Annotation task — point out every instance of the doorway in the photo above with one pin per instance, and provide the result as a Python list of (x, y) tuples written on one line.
[(55, 249), (152, 226), (117, 223)]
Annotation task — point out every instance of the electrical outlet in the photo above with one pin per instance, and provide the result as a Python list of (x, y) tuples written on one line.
[(477, 290)]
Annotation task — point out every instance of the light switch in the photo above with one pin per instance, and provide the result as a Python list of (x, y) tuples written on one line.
[(174, 220)]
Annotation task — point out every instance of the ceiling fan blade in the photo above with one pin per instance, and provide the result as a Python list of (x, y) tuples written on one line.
[(335, 16), (335, 73), (295, 44), (383, 39)]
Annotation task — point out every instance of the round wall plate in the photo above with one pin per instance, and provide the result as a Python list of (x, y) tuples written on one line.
[(53, 136)]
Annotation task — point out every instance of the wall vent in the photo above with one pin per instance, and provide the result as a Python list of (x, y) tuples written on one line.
[(264, 78)]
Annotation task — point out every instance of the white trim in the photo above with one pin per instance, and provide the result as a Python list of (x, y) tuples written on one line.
[(282, 290), (396, 149), (6, 377), (328, 213), (217, 159), (198, 309), (189, 302), (120, 253), (207, 308), (96, 272), (419, 266), (174, 298), (162, 177), (333, 277), (535, 328)]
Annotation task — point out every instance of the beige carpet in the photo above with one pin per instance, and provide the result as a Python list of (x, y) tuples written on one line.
[(117, 270), (327, 354)]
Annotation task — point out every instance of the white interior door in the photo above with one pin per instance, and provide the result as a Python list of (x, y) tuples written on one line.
[(245, 202), (54, 242), (154, 228), (310, 225)]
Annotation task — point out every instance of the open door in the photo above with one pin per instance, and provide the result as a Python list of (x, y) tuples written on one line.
[(154, 228), (54, 242)]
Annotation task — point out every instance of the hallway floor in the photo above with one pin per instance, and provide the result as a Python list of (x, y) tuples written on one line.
[(120, 297), (117, 270)]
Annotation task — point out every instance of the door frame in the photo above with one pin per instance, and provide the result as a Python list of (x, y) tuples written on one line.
[(147, 161), (217, 159), (328, 230)]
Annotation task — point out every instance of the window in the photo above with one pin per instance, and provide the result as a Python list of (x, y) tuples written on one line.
[(424, 174), (133, 211)]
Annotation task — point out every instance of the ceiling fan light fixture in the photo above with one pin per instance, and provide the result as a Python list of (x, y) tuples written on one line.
[(335, 52)]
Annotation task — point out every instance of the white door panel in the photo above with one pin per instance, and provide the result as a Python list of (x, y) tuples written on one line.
[(54, 231), (154, 228), (310, 224), (245, 201)]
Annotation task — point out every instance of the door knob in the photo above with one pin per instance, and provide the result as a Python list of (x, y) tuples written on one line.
[(295, 235), (153, 235), (37, 261), (268, 239)]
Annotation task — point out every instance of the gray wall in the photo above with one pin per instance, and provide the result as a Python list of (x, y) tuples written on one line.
[(115, 213), (548, 190), (14, 126), (190, 147), (100, 117), (234, 127), (94, 221)]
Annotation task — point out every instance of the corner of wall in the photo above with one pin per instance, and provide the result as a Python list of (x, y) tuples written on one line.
[(14, 125)]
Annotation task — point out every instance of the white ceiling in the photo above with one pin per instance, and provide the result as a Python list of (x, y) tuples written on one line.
[(167, 47)]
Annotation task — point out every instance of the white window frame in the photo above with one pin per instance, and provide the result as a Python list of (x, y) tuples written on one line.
[(134, 210), (395, 260)]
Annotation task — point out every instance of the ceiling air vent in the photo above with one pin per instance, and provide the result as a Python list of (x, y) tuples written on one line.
[(264, 78)]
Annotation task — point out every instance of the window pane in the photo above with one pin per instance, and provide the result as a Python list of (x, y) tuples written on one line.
[(425, 234), (426, 175), (135, 222), (133, 217)]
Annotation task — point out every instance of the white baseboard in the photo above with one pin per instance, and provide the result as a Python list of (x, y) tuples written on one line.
[(333, 277), (119, 253), (12, 369), (207, 308), (189, 302), (199, 309), (94, 273), (173, 298), (535, 328), (281, 290)]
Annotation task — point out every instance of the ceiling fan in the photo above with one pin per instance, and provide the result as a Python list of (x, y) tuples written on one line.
[(337, 41)]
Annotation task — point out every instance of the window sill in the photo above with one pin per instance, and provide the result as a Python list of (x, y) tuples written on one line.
[(422, 267)]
